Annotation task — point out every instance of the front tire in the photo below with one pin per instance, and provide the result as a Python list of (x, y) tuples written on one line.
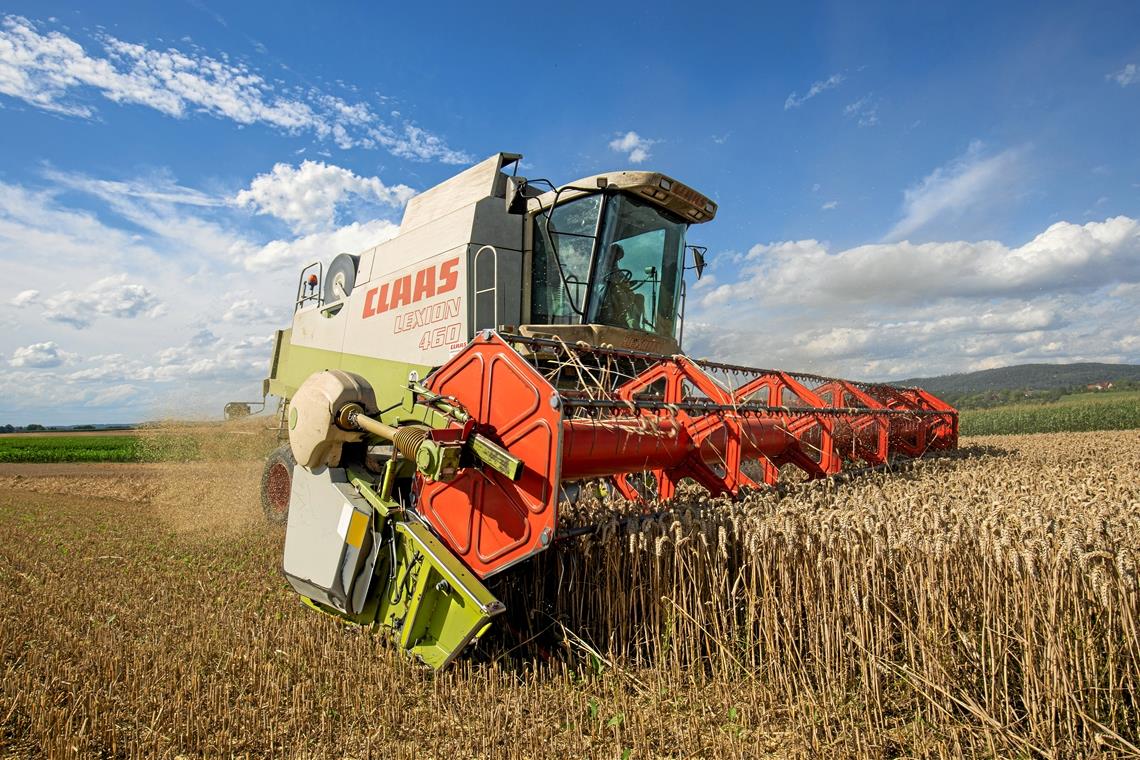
[(277, 484)]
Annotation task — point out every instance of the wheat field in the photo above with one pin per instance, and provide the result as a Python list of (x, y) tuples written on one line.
[(982, 604)]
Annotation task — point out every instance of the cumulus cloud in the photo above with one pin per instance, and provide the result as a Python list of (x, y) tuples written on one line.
[(232, 359), (829, 206), (250, 311), (997, 322), (1065, 257), (104, 367), (892, 310), (823, 85), (54, 72), (351, 238), (113, 296), (145, 253), (40, 356), (1128, 74), (307, 196), (865, 341), (634, 145), (25, 297), (968, 182)]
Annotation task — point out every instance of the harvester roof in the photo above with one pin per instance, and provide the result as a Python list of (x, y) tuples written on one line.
[(486, 179), (655, 187)]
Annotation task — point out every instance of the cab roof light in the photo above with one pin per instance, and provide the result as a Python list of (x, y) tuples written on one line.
[(665, 183)]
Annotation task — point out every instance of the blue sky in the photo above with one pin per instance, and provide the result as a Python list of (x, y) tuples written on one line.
[(902, 190)]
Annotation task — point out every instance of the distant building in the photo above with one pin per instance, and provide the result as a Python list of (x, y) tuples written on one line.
[(1099, 386)]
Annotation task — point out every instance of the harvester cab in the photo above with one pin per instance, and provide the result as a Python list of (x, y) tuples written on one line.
[(445, 389)]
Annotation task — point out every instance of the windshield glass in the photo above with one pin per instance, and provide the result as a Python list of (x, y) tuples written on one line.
[(638, 280), (573, 230)]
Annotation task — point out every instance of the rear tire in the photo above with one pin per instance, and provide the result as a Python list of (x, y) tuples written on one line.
[(340, 278), (277, 484)]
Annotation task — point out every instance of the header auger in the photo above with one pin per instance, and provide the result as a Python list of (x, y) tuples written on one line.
[(449, 390)]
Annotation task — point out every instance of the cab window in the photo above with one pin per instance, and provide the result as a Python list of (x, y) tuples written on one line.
[(571, 229)]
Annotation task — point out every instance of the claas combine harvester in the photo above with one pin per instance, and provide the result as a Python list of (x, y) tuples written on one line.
[(446, 392)]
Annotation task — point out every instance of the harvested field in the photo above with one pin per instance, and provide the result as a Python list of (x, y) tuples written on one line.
[(984, 604)]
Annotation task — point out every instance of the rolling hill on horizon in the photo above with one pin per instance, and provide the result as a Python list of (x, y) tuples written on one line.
[(1038, 377)]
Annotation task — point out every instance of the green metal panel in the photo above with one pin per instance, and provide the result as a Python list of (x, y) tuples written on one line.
[(294, 364)]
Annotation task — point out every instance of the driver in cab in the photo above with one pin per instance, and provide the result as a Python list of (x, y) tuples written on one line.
[(621, 306)]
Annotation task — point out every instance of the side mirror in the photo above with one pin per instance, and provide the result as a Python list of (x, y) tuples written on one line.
[(517, 195), (699, 252), (235, 410)]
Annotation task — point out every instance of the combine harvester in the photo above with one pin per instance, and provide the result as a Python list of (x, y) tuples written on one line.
[(448, 390)]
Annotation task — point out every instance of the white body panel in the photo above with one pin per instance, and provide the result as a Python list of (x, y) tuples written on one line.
[(417, 313), (413, 305), (323, 561)]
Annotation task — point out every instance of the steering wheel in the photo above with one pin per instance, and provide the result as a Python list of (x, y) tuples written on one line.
[(621, 275)]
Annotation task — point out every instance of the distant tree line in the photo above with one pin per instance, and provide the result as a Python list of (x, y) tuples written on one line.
[(1001, 397), (1026, 377), (36, 428)]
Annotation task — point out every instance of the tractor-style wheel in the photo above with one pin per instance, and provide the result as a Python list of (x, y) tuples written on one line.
[(276, 484)]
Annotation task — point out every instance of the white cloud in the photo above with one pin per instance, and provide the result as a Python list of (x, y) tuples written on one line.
[(159, 190), (1065, 257), (865, 111), (33, 225), (112, 396), (968, 182), (251, 311), (633, 144), (25, 297), (40, 356), (307, 196), (351, 238), (55, 72), (113, 296), (891, 310), (1129, 74), (823, 85), (103, 367), (136, 245), (233, 359), (412, 142), (829, 206)]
